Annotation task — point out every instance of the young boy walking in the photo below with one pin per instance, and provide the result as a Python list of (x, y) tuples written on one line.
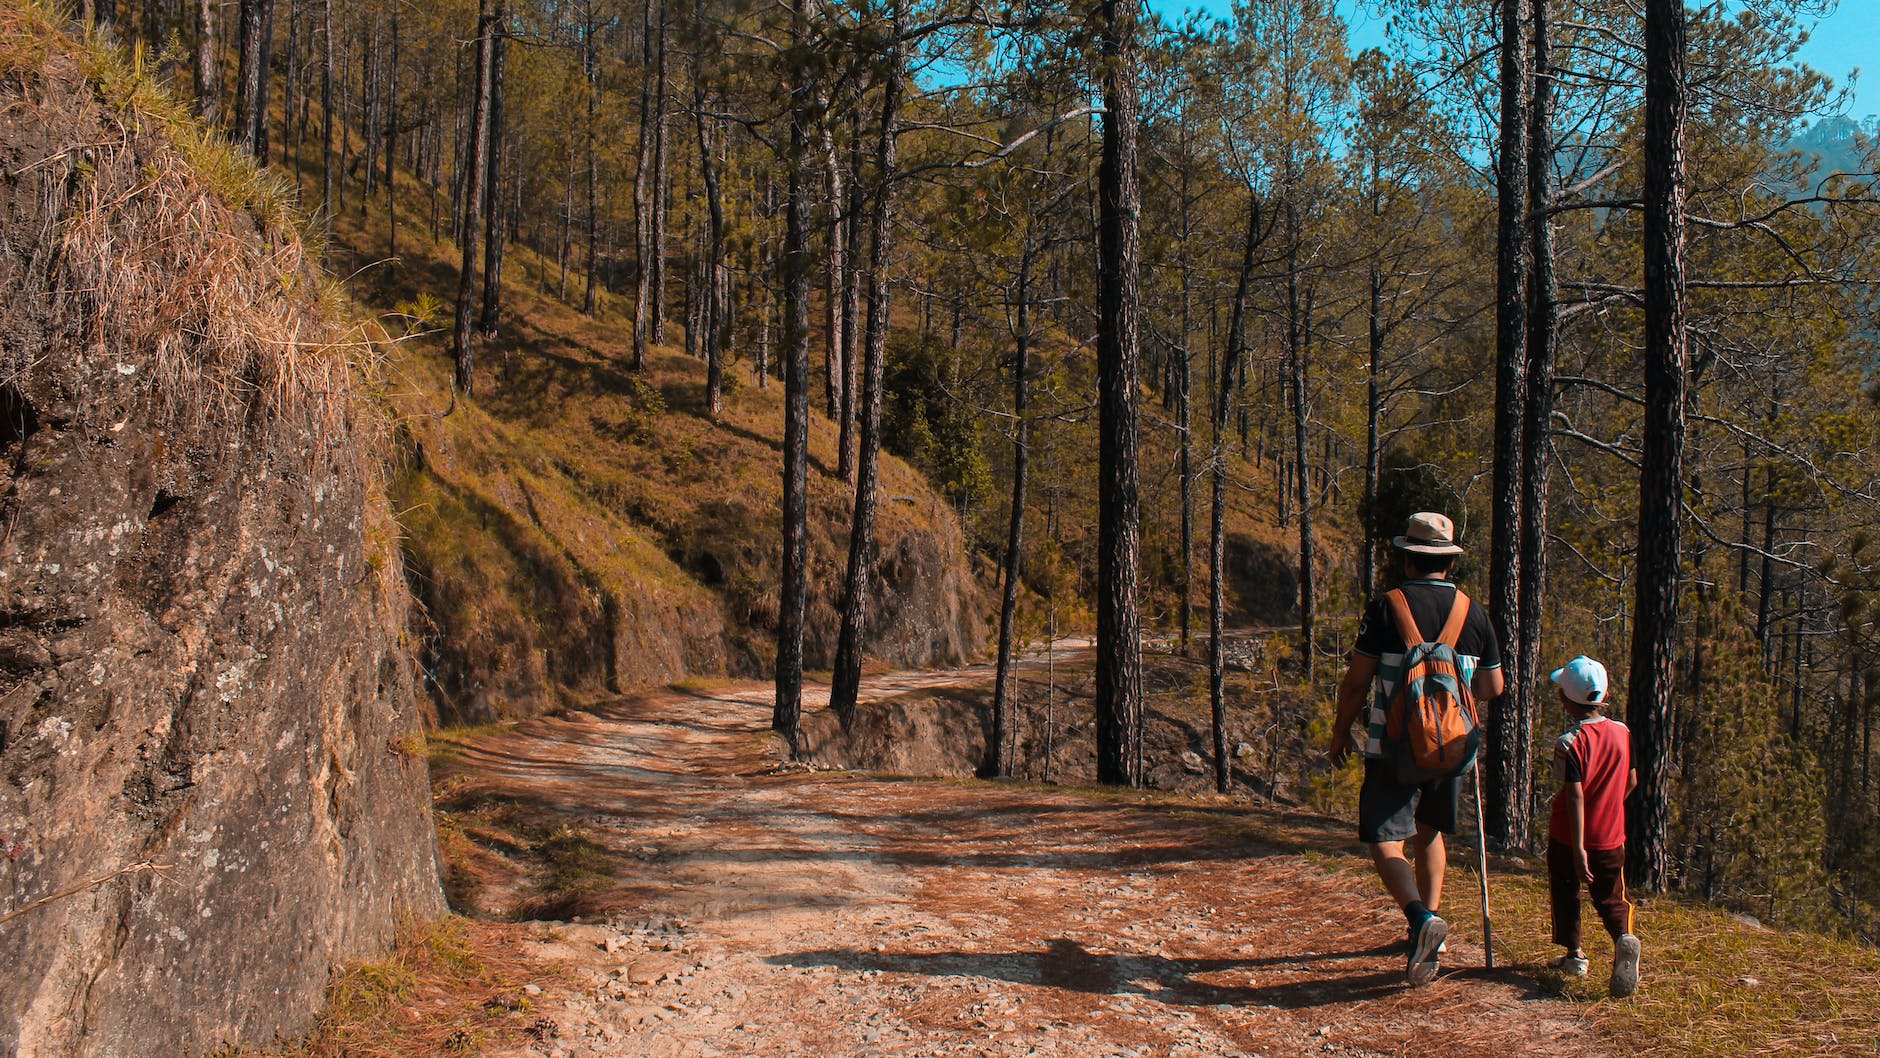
[(1586, 838)]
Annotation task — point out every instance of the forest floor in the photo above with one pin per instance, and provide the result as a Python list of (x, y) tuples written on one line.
[(752, 907)]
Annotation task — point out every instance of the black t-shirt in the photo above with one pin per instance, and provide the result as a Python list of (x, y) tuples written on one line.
[(1430, 602)]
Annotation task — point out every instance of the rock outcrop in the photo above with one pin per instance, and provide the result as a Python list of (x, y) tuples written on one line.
[(200, 595)]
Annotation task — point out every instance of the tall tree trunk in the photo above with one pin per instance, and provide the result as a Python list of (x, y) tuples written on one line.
[(391, 138), (493, 233), (1184, 409), (711, 318), (793, 594), (654, 14), (1002, 726), (590, 69), (1231, 365), (846, 682), (1119, 624), (369, 111), (1298, 327), (1505, 741), (851, 294), (1373, 427), (660, 186), (326, 108), (1661, 478), (251, 100), (291, 83), (835, 373), (1519, 702), (489, 16), (205, 61)]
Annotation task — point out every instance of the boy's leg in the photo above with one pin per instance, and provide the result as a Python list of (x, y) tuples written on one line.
[(1563, 888), (1608, 890)]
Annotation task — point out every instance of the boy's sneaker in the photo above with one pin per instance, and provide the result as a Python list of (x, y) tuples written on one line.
[(1569, 965), (1426, 941), (1624, 966)]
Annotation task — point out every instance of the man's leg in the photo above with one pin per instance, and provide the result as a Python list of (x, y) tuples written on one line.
[(1387, 821), (1395, 870), (1409, 884), (1432, 860)]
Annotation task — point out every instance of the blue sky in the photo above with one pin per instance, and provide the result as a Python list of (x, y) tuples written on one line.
[(1846, 38)]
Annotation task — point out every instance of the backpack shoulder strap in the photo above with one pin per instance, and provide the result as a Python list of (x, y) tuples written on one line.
[(1401, 616), (1458, 616)]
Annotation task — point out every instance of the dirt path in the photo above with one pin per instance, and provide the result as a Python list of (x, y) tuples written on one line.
[(778, 912)]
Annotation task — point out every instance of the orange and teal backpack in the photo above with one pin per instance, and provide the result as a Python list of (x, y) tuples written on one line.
[(1431, 729)]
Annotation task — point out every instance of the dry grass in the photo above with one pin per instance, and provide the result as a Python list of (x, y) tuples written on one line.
[(450, 987), (184, 265), (1712, 986)]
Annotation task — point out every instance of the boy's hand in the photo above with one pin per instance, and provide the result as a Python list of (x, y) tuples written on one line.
[(1586, 869)]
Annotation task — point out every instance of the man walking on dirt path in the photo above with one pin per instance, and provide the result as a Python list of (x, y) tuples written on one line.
[(1394, 816)]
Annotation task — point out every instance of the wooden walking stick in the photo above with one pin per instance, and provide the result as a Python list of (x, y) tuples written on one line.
[(1481, 848)]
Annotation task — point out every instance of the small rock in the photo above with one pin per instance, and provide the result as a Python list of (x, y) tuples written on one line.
[(1192, 763), (1750, 981), (651, 970), (1324, 1030), (532, 989)]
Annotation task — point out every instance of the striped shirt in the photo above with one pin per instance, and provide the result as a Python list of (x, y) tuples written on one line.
[(1430, 600)]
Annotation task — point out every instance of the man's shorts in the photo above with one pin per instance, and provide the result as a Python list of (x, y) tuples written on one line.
[(1390, 811)]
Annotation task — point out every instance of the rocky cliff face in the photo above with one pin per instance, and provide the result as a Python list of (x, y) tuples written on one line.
[(200, 598)]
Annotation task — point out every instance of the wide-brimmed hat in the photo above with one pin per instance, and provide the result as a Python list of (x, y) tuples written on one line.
[(1428, 533)]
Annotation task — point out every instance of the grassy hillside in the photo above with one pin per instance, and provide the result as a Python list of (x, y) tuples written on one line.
[(577, 529)]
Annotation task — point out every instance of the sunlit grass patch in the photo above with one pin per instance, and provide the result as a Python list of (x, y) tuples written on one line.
[(447, 986)]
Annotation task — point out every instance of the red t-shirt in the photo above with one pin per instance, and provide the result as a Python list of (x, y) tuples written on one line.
[(1596, 753)]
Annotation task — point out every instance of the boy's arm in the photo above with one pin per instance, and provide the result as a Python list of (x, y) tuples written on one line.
[(1572, 797), (1631, 781), (1576, 827)]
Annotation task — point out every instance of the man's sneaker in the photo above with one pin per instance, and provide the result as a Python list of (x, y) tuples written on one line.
[(1426, 940), (1569, 965), (1624, 966)]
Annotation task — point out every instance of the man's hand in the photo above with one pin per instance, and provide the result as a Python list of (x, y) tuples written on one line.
[(1351, 692), (1340, 748), (1586, 868)]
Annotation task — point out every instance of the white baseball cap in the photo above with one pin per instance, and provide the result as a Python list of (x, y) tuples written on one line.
[(1582, 680)]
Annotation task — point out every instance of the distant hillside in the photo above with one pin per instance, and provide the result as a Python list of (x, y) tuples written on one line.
[(1839, 144), (577, 530)]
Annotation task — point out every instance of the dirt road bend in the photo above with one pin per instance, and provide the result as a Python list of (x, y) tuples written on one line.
[(770, 911)]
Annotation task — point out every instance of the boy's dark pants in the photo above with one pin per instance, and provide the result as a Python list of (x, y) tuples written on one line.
[(1607, 890)]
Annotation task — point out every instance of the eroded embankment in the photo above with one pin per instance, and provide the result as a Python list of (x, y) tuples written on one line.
[(201, 605)]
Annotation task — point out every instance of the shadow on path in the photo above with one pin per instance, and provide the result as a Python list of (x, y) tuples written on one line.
[(1067, 965)]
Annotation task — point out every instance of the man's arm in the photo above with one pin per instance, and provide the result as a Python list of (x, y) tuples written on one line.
[(1351, 692), (1631, 781), (1487, 684)]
